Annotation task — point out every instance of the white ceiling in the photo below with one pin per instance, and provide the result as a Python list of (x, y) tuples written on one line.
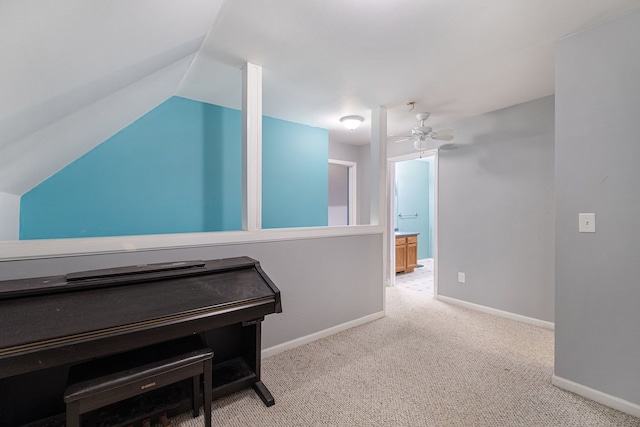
[(323, 59), (74, 71)]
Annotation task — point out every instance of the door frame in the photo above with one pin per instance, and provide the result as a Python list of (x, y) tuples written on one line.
[(391, 180)]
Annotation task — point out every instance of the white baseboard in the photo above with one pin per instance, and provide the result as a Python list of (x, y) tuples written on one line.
[(496, 312), (597, 396), (272, 351)]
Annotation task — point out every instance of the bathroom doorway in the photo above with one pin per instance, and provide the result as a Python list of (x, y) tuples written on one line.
[(413, 212)]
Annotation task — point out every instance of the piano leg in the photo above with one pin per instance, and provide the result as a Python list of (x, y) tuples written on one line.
[(252, 338), (264, 393)]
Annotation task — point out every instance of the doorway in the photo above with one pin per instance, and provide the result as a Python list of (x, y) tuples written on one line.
[(342, 193), (413, 213)]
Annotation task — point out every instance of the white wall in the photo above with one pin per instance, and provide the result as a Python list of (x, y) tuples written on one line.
[(597, 152), (9, 217), (496, 210)]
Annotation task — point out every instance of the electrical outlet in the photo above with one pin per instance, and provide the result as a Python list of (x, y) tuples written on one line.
[(461, 277)]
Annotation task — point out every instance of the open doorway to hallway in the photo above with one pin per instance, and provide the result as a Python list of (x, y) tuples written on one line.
[(413, 222)]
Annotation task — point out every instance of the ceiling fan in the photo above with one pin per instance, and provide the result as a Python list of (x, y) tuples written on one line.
[(421, 135)]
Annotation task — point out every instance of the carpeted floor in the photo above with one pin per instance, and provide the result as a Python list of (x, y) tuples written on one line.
[(426, 364)]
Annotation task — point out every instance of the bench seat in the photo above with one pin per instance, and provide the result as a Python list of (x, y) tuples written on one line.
[(111, 379)]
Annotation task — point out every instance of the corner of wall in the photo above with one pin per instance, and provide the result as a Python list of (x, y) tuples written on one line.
[(10, 214)]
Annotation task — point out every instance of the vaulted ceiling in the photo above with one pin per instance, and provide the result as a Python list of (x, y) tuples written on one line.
[(74, 72)]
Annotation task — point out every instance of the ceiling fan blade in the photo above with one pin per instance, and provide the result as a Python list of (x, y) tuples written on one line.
[(442, 137), (444, 131), (403, 140), (448, 147), (399, 136)]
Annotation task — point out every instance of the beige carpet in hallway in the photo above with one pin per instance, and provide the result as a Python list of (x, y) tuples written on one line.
[(426, 364)]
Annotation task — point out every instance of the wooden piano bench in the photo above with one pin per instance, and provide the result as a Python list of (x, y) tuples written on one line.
[(111, 379)]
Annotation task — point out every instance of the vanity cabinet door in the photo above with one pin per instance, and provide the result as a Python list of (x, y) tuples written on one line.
[(412, 253), (401, 254)]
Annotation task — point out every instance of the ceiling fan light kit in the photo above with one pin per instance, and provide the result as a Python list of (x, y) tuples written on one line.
[(351, 122), (420, 144), (422, 117)]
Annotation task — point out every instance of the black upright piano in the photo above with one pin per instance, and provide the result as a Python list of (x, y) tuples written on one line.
[(49, 324)]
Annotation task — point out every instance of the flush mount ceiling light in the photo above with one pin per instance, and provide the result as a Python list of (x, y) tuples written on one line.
[(351, 122)]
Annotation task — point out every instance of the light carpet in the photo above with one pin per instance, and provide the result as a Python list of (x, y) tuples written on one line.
[(426, 363)]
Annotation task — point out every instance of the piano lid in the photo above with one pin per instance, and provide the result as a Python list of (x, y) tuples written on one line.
[(53, 311), (85, 280)]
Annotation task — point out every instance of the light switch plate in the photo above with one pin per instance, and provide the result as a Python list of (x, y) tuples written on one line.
[(587, 223), (461, 277)]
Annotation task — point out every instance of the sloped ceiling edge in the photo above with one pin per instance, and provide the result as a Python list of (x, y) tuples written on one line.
[(32, 159)]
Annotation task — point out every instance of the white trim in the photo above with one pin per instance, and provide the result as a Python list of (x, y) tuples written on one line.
[(353, 195), (496, 312), (414, 155), (279, 348), (251, 147), (54, 248), (436, 226), (378, 169), (378, 190), (342, 162), (391, 216), (614, 402)]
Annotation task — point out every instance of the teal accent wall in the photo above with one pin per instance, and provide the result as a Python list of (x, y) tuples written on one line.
[(294, 175), (223, 169), (414, 194), (178, 169)]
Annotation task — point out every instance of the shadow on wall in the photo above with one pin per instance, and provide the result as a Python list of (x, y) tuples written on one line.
[(478, 138)]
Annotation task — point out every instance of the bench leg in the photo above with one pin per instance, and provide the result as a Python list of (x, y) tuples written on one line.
[(73, 414), (206, 395)]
